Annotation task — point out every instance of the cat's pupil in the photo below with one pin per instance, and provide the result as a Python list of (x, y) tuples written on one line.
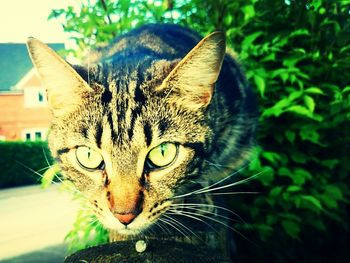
[(89, 153), (163, 148)]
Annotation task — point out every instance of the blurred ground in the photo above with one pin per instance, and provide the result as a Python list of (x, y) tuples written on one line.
[(34, 222), (55, 254)]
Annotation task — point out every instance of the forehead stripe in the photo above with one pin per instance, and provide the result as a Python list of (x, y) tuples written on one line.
[(134, 116), (106, 97), (147, 129), (163, 125), (84, 132), (111, 125), (98, 134)]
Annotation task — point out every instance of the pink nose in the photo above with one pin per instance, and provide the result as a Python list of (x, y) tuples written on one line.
[(125, 218)]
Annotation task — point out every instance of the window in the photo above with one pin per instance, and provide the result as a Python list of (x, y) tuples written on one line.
[(37, 135), (34, 134), (34, 97), (40, 96)]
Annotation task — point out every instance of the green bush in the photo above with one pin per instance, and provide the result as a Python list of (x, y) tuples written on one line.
[(22, 163), (296, 55)]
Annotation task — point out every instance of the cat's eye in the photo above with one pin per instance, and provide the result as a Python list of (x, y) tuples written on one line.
[(162, 155), (89, 158)]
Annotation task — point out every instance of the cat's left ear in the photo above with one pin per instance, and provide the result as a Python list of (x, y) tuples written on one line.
[(191, 82), (65, 87)]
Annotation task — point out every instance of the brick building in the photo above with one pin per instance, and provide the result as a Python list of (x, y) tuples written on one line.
[(24, 113)]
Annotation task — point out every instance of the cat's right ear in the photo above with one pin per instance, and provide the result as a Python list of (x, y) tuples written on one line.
[(191, 82), (65, 87)]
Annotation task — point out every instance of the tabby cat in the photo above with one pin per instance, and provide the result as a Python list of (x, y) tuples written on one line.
[(147, 125)]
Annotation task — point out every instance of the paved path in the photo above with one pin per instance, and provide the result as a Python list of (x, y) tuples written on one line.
[(32, 219)]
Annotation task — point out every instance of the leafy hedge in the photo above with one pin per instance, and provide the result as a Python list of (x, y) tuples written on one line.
[(296, 55), (22, 163)]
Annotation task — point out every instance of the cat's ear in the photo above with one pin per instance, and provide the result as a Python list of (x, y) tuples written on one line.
[(192, 81), (65, 87)]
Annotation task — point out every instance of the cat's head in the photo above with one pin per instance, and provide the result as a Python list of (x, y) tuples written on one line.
[(128, 136)]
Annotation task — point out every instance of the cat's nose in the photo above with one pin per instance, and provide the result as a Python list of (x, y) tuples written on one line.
[(125, 218)]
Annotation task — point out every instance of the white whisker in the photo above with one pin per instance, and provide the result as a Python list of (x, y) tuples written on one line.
[(166, 221), (163, 229), (184, 205), (217, 165), (33, 171), (234, 193), (180, 224), (229, 185), (176, 212), (207, 212), (209, 186), (217, 221)]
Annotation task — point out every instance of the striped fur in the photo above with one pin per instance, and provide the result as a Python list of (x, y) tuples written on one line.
[(149, 86)]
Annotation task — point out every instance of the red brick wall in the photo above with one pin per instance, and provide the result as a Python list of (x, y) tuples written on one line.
[(14, 117)]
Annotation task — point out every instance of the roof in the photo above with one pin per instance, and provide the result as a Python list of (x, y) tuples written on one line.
[(15, 63)]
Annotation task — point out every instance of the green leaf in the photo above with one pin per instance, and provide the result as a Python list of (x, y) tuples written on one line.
[(312, 200), (266, 177), (291, 217), (310, 135), (333, 192), (304, 173), (294, 95), (300, 110), (284, 171), (280, 106), (310, 103), (227, 20), (290, 62), (299, 32), (271, 219), (290, 135), (298, 156), (291, 228), (328, 201), (300, 176), (248, 40), (269, 57), (271, 156), (55, 13), (260, 84), (299, 50), (322, 11), (346, 89), (276, 191), (294, 188), (314, 90), (330, 56), (344, 49), (248, 11), (283, 73), (331, 163)]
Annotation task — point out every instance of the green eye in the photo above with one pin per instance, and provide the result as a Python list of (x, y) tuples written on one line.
[(162, 155), (88, 158)]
